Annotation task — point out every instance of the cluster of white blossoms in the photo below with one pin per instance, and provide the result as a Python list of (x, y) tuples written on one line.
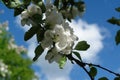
[(11, 44), (3, 69), (59, 37), (18, 49), (3, 26)]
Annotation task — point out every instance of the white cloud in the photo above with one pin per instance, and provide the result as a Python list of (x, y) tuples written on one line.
[(85, 31), (92, 34)]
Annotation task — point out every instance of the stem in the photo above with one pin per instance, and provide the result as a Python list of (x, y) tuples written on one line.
[(88, 73)]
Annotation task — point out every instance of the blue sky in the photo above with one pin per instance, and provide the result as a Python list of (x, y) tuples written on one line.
[(97, 31)]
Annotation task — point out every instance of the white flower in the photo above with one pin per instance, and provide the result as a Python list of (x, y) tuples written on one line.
[(25, 14), (54, 18), (67, 27), (53, 55), (3, 69), (63, 39), (49, 5), (47, 41), (34, 9), (60, 37)]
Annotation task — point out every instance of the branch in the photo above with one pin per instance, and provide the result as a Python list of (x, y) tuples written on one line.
[(117, 74), (81, 64)]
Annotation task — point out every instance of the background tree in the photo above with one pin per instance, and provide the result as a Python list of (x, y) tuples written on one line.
[(14, 64), (48, 22)]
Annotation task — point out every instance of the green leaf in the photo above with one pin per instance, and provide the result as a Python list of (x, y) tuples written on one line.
[(117, 9), (78, 55), (38, 51), (117, 37), (82, 45), (17, 11), (118, 22), (62, 62), (113, 20), (103, 78), (30, 33), (117, 78), (37, 18), (93, 71), (40, 35)]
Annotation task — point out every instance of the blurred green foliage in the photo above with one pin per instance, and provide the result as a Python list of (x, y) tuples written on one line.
[(12, 55)]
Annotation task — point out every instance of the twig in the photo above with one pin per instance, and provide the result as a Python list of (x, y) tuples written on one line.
[(117, 74)]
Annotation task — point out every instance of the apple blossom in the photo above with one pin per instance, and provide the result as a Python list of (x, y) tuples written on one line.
[(58, 36), (53, 55), (26, 14)]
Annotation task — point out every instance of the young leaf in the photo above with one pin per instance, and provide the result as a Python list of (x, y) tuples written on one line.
[(117, 9), (30, 33), (38, 51), (117, 37), (103, 78), (17, 11), (62, 62), (82, 45), (78, 55), (93, 71), (113, 20)]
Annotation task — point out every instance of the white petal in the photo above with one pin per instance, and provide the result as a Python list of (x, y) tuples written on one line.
[(49, 34), (57, 58), (46, 43), (34, 9), (60, 46), (25, 14)]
